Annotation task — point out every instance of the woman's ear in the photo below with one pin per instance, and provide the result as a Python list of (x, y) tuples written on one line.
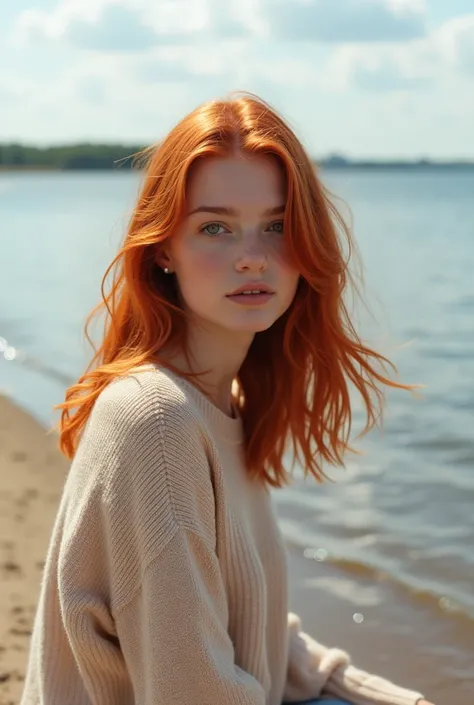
[(163, 260)]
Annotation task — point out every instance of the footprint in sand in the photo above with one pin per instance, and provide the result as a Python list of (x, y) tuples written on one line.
[(18, 456), (20, 631), (10, 567)]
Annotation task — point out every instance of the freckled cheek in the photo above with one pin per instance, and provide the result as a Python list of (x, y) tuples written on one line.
[(282, 259), (208, 262), (287, 274)]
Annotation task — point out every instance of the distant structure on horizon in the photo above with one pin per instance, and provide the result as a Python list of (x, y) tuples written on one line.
[(340, 161)]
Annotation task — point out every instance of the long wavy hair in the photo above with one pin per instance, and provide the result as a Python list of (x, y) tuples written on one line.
[(293, 388)]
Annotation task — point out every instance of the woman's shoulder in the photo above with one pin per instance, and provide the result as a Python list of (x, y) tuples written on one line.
[(141, 399), (143, 431), (142, 418), (140, 472)]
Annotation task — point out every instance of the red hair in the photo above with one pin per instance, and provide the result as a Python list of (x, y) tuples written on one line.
[(293, 385)]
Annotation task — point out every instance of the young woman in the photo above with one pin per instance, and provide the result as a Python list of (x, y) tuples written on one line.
[(226, 341)]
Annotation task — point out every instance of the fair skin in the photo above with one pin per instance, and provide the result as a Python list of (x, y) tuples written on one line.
[(212, 254), (215, 252)]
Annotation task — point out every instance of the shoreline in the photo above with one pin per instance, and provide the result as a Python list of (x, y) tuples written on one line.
[(355, 166)]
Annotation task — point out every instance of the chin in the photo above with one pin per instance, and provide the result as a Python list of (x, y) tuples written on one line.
[(252, 326)]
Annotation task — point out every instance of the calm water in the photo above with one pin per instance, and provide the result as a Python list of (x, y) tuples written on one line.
[(389, 548)]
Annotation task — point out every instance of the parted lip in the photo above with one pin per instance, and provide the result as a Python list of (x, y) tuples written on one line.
[(252, 286)]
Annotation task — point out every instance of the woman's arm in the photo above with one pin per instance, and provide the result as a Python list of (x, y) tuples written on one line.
[(143, 599), (173, 632), (170, 643), (315, 670)]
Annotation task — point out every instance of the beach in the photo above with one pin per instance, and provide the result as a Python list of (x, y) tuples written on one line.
[(32, 476), (381, 560)]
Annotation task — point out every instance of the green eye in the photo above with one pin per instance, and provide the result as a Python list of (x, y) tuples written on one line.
[(277, 226), (211, 229)]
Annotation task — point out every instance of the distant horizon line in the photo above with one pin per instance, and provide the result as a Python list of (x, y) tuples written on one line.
[(332, 159)]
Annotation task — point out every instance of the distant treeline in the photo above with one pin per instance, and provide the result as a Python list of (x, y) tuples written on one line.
[(65, 157), (114, 156)]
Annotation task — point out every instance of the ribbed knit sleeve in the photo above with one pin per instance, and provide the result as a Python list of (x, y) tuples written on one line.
[(315, 670), (173, 632), (142, 595)]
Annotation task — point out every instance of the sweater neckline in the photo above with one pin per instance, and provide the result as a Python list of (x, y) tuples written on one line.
[(227, 427)]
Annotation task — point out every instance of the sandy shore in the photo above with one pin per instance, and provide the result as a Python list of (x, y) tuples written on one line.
[(32, 476)]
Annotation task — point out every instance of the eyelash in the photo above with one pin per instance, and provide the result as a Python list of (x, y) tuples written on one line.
[(203, 229)]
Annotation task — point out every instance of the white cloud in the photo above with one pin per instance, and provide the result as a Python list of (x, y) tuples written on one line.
[(91, 89), (122, 25), (185, 63), (117, 29), (287, 72), (176, 41), (385, 68), (456, 41), (436, 58), (345, 20), (128, 69), (386, 76)]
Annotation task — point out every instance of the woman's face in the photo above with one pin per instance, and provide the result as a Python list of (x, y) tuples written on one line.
[(232, 236)]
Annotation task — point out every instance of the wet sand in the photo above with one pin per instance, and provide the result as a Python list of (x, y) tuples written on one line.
[(400, 640)]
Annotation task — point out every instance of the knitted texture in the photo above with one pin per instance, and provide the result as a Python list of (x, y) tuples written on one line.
[(165, 581)]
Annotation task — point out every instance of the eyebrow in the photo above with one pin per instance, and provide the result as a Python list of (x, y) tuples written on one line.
[(224, 210)]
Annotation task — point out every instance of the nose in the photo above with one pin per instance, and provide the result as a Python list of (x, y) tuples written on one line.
[(252, 259)]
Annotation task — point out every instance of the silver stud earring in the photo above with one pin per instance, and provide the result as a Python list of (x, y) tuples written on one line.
[(166, 270)]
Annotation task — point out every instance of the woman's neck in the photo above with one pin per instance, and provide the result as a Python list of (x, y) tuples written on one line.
[(218, 354)]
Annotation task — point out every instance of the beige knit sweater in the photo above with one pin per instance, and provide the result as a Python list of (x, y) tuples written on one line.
[(165, 580)]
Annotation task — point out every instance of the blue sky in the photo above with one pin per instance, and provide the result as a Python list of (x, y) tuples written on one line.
[(372, 78)]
